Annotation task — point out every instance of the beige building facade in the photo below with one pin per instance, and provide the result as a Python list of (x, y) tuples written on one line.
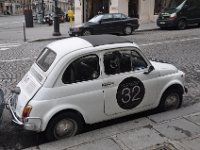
[(145, 10)]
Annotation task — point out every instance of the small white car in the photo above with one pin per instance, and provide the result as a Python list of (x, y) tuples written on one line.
[(85, 80)]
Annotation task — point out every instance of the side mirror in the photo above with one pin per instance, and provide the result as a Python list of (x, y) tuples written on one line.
[(150, 69)]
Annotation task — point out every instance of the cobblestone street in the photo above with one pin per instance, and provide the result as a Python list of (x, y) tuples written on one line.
[(181, 48)]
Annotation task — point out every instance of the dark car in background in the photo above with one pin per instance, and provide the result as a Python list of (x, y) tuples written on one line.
[(180, 14), (105, 24)]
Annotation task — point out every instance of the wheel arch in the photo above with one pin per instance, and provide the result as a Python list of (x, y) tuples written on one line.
[(182, 18), (51, 115), (88, 28), (175, 85)]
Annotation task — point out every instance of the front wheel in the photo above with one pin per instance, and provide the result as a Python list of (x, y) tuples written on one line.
[(181, 25), (128, 30), (171, 99), (86, 32), (64, 125)]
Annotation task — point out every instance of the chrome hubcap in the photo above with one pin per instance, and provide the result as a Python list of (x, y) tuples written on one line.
[(87, 33), (65, 128), (172, 101), (128, 30), (182, 25)]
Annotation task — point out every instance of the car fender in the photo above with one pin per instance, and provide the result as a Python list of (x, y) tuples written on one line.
[(128, 24), (55, 110), (182, 18), (167, 85)]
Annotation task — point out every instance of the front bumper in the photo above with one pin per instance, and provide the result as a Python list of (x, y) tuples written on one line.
[(166, 23), (75, 33), (29, 123)]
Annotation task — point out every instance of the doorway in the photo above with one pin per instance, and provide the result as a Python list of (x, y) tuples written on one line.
[(92, 8), (133, 6)]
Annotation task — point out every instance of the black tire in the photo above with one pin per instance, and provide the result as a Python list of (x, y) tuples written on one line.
[(128, 30), (57, 127), (172, 95), (181, 24), (86, 32)]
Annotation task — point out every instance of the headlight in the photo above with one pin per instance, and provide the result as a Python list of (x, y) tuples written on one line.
[(173, 15), (76, 29)]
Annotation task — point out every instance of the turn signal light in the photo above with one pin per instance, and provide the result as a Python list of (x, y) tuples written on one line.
[(27, 110)]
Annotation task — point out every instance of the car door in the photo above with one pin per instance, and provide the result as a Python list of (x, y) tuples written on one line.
[(82, 86), (119, 21), (107, 24), (126, 86)]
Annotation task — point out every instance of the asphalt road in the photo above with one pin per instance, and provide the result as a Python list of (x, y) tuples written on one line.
[(181, 48)]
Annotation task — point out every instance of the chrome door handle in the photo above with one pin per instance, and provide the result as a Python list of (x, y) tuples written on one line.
[(107, 84)]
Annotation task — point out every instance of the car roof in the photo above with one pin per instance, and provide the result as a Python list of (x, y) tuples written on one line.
[(65, 46), (97, 40)]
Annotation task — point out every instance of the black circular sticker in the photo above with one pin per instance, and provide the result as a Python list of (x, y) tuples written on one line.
[(130, 93)]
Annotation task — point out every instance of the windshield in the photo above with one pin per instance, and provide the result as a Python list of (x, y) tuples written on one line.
[(45, 59), (176, 4), (96, 19)]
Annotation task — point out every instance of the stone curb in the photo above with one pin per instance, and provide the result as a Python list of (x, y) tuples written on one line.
[(60, 38)]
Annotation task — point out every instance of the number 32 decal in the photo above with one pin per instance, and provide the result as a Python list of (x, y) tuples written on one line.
[(130, 93)]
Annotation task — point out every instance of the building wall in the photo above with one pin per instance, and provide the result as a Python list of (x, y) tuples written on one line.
[(78, 11), (146, 9)]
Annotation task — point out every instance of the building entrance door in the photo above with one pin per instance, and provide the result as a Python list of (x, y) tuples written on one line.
[(133, 8), (92, 8)]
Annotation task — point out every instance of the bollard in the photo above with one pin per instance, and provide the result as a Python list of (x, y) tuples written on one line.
[(24, 32)]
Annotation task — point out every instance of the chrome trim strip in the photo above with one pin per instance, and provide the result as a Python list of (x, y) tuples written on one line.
[(15, 119)]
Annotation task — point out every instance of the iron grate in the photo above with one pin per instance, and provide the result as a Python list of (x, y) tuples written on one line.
[(164, 146)]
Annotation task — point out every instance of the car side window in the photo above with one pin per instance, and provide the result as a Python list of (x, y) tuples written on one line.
[(82, 69), (107, 18), (137, 61), (117, 16), (117, 62)]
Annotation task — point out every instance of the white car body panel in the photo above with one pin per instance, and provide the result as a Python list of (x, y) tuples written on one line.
[(47, 95)]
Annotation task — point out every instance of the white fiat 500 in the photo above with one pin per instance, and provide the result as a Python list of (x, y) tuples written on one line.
[(85, 80)]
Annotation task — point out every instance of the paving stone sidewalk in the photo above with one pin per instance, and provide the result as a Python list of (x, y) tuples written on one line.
[(172, 130)]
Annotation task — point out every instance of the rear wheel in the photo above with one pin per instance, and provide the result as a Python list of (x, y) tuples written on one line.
[(128, 30), (86, 32), (64, 125), (171, 99), (181, 24)]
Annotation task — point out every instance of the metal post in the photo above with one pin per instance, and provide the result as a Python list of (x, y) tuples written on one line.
[(42, 10), (56, 21), (24, 32)]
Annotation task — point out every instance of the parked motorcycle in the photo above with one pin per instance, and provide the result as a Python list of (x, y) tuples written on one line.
[(48, 19)]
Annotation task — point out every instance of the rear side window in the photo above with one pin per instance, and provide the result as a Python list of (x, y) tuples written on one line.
[(45, 59), (82, 69)]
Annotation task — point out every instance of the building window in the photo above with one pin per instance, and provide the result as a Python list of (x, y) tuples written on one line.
[(159, 5)]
